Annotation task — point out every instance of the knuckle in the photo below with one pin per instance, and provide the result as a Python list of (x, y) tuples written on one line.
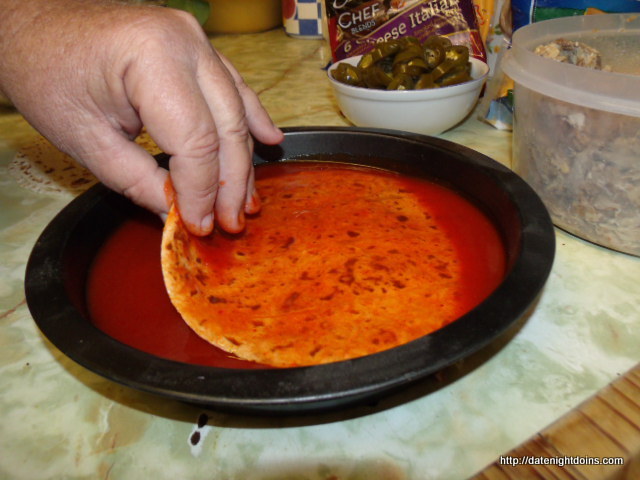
[(241, 85), (135, 190), (202, 145), (236, 128), (164, 26)]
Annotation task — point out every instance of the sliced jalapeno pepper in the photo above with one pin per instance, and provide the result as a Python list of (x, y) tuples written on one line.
[(454, 56), (413, 67), (409, 40), (409, 53), (376, 77), (390, 47), (442, 69), (348, 74), (418, 62), (439, 40), (382, 50), (426, 81), (404, 64), (433, 55), (456, 75), (401, 82), (457, 53)]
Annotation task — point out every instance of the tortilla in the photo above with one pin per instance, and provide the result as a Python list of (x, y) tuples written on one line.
[(340, 263)]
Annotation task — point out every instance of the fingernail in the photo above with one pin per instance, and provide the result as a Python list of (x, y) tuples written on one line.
[(253, 205), (206, 225)]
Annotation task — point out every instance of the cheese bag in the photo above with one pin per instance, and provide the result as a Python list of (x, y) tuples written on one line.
[(355, 26)]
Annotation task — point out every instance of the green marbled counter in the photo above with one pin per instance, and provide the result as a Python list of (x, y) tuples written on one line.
[(60, 421)]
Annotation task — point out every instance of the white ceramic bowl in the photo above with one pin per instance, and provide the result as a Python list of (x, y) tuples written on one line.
[(428, 112)]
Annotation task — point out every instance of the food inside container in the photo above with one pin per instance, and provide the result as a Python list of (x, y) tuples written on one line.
[(576, 130), (408, 64)]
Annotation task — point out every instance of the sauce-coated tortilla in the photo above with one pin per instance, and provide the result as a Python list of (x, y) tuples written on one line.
[(340, 263)]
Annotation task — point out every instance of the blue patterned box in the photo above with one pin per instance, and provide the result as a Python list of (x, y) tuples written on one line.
[(305, 20)]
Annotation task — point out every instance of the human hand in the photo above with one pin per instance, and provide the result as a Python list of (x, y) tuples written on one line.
[(90, 75)]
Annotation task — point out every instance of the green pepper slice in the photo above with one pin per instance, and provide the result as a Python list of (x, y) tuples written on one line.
[(407, 54), (437, 40), (442, 69), (382, 50), (459, 74), (369, 59), (413, 67), (376, 77), (425, 81), (401, 82), (434, 55), (409, 40), (457, 53), (348, 74)]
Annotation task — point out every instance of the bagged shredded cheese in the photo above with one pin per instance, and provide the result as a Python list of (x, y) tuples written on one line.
[(355, 26)]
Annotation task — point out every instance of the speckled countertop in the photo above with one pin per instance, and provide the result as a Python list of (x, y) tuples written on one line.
[(60, 421)]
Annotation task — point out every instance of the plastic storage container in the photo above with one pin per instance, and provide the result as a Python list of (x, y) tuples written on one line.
[(576, 133)]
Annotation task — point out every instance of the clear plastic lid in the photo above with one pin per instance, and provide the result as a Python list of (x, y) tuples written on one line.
[(615, 36)]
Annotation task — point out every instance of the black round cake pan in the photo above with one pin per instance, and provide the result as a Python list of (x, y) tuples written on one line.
[(60, 261)]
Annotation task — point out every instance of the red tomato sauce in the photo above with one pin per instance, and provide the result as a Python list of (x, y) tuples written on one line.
[(127, 299)]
